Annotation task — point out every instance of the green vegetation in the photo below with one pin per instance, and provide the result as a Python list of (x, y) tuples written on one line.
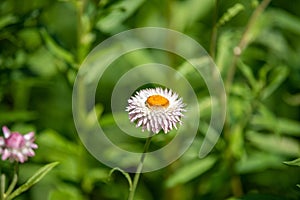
[(255, 45)]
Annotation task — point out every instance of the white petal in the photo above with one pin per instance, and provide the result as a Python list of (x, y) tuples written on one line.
[(155, 118)]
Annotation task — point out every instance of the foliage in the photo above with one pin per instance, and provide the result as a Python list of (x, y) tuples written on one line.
[(30, 182), (43, 43)]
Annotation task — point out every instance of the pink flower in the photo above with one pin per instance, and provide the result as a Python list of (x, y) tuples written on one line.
[(17, 147)]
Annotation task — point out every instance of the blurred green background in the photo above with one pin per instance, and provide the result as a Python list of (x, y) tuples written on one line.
[(43, 43)]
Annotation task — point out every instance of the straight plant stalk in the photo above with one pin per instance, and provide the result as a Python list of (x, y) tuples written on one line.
[(2, 187), (244, 42), (139, 169), (214, 31)]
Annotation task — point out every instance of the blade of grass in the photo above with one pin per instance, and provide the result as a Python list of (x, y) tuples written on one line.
[(33, 180)]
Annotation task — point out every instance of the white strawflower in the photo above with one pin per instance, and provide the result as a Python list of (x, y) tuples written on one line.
[(156, 109)]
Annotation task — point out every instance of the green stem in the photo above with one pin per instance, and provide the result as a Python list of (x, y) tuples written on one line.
[(12, 185), (214, 33), (2, 187), (139, 169), (244, 42)]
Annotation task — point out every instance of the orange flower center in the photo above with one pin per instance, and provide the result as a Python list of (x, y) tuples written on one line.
[(157, 100)]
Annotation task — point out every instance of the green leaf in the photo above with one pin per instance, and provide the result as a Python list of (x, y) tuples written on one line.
[(274, 143), (66, 191), (230, 13), (33, 180), (124, 173), (262, 74), (268, 121), (238, 108), (293, 162), (246, 70), (226, 42), (278, 49), (284, 20), (190, 171), (237, 140), (93, 176), (257, 162), (55, 49), (42, 62), (58, 145), (278, 75), (120, 11), (288, 126), (188, 12), (31, 38), (63, 150), (7, 20), (18, 115)]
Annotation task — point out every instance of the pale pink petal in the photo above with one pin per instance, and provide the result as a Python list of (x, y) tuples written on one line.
[(21, 157), (29, 136), (6, 154), (34, 146), (30, 153), (2, 141), (6, 131)]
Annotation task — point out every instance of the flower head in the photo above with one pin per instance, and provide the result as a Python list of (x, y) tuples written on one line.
[(15, 146), (156, 109)]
